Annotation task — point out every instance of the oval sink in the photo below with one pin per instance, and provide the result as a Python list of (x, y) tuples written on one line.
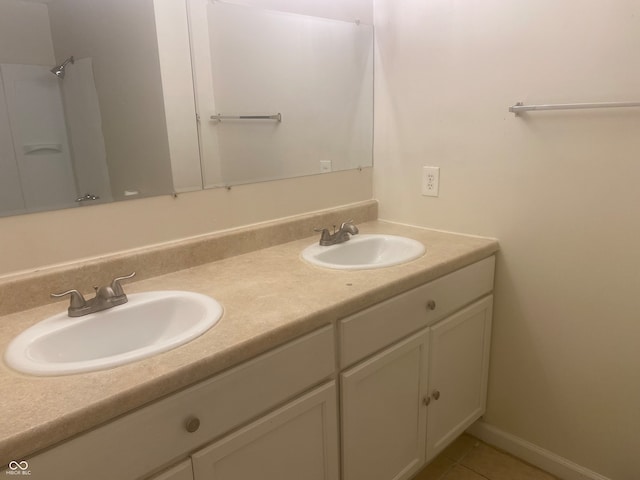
[(149, 323), (365, 251)]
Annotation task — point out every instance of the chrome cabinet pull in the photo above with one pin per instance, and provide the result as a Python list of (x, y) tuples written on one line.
[(192, 424), (435, 394)]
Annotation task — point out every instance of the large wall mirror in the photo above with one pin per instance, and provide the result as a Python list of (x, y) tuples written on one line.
[(111, 100), (98, 126)]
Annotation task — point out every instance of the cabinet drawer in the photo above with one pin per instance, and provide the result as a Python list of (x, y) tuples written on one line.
[(156, 435), (376, 327)]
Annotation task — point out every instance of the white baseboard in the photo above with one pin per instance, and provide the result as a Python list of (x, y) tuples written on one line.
[(533, 454)]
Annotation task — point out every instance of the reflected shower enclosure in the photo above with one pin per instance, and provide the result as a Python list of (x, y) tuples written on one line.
[(72, 133), (53, 148)]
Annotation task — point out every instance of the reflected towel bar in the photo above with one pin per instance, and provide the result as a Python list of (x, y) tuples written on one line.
[(43, 147), (519, 107), (219, 117)]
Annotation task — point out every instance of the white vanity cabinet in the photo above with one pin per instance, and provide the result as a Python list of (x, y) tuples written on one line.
[(169, 430), (411, 376), (404, 404)]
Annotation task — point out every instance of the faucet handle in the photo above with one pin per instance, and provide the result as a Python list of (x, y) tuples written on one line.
[(325, 236), (77, 300), (324, 229), (348, 222), (115, 284), (349, 227)]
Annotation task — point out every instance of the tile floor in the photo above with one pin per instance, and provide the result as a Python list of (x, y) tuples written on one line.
[(470, 459)]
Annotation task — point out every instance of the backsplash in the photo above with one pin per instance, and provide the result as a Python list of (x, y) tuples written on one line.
[(29, 290)]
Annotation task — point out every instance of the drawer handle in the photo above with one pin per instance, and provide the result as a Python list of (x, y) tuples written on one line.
[(192, 424), (426, 400), (431, 305), (435, 394)]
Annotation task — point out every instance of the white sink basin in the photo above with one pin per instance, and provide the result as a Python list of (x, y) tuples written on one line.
[(365, 251), (149, 323)]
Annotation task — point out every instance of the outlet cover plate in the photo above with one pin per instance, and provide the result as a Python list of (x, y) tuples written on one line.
[(430, 181)]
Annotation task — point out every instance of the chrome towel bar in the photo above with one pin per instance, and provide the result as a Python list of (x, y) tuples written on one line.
[(219, 117), (520, 107)]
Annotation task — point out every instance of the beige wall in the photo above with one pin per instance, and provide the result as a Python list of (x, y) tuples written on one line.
[(31, 242), (559, 189), (25, 36)]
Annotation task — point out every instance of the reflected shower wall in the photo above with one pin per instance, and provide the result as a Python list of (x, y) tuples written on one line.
[(52, 146), (39, 161), (84, 124)]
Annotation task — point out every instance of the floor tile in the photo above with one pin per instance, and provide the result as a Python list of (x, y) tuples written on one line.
[(462, 473), (460, 447), (436, 469), (495, 465)]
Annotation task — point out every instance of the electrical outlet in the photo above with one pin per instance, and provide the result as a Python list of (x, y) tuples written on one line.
[(325, 166), (430, 181)]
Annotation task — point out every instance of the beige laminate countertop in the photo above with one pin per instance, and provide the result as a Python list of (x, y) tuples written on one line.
[(270, 296)]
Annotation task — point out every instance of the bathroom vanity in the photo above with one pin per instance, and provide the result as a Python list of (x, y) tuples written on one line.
[(311, 373)]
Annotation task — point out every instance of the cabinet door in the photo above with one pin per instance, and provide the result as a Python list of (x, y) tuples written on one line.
[(458, 370), (182, 471), (297, 441), (383, 415)]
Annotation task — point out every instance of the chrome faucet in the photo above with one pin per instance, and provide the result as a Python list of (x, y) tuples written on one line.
[(106, 297), (338, 236)]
